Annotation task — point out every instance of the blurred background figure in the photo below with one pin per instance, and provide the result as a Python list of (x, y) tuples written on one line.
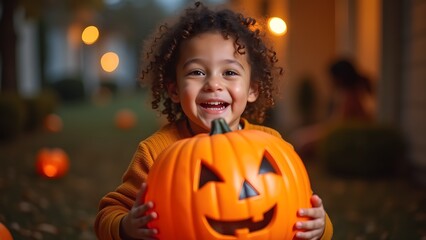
[(349, 141), (352, 100), (353, 94)]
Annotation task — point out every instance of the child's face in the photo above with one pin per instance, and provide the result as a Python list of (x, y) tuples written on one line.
[(212, 81)]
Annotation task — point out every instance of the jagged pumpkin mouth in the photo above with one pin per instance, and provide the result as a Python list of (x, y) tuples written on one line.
[(230, 227)]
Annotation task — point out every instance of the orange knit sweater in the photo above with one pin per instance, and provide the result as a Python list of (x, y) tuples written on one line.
[(115, 205)]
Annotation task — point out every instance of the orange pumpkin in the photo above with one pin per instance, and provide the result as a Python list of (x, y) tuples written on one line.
[(4, 233), (125, 119), (52, 163), (244, 184), (53, 123)]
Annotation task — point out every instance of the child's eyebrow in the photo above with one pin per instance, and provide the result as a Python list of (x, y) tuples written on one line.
[(192, 60), (226, 61), (232, 61)]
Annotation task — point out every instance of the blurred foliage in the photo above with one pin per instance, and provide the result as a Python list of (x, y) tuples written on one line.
[(12, 115), (109, 85), (133, 21), (39, 107), (69, 89), (363, 149), (19, 114), (36, 8)]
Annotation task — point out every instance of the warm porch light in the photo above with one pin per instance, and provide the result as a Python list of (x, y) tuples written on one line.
[(90, 35), (277, 26), (109, 61)]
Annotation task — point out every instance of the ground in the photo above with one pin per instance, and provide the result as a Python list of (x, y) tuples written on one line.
[(33, 207)]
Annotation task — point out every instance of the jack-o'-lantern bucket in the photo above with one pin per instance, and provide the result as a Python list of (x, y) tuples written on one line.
[(244, 184)]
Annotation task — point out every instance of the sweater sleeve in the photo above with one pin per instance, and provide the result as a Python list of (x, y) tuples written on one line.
[(115, 205), (328, 231)]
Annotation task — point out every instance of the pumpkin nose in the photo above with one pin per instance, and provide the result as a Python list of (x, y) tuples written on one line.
[(247, 191)]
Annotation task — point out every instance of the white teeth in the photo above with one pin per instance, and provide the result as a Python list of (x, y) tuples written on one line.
[(215, 106), (214, 103)]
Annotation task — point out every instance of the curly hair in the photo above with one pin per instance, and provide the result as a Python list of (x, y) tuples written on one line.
[(162, 52)]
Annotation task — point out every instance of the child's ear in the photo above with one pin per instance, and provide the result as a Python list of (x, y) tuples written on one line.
[(253, 92), (172, 90)]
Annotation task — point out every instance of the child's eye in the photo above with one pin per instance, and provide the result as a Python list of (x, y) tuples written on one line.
[(230, 73), (196, 73)]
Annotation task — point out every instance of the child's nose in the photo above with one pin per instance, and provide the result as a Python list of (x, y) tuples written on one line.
[(213, 83)]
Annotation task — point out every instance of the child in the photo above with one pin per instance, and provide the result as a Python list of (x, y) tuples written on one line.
[(208, 65)]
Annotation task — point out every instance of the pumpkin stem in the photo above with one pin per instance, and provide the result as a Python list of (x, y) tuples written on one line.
[(219, 126)]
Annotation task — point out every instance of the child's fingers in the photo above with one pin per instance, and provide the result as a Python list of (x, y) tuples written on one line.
[(148, 234), (138, 211), (316, 201), (143, 221), (140, 195), (311, 225), (312, 213)]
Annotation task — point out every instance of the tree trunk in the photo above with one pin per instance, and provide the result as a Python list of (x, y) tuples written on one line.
[(8, 47)]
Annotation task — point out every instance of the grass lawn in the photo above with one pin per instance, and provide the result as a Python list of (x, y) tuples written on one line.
[(33, 207), (380, 208)]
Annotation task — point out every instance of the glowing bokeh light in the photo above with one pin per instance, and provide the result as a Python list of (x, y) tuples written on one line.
[(90, 35), (277, 26), (52, 162), (109, 61), (50, 170)]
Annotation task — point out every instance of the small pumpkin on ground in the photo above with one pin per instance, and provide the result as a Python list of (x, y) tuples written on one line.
[(5, 233), (52, 162)]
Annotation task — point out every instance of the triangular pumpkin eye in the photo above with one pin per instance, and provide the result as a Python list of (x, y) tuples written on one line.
[(207, 175), (266, 166), (247, 191)]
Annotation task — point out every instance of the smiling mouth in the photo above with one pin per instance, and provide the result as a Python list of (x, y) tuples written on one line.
[(214, 106), (230, 227)]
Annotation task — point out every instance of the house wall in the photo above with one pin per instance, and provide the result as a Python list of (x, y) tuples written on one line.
[(413, 105), (402, 97), (311, 48), (368, 37)]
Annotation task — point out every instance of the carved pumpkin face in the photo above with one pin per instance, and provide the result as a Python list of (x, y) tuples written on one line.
[(244, 184)]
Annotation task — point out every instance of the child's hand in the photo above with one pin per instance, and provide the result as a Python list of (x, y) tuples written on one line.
[(314, 228), (134, 224)]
